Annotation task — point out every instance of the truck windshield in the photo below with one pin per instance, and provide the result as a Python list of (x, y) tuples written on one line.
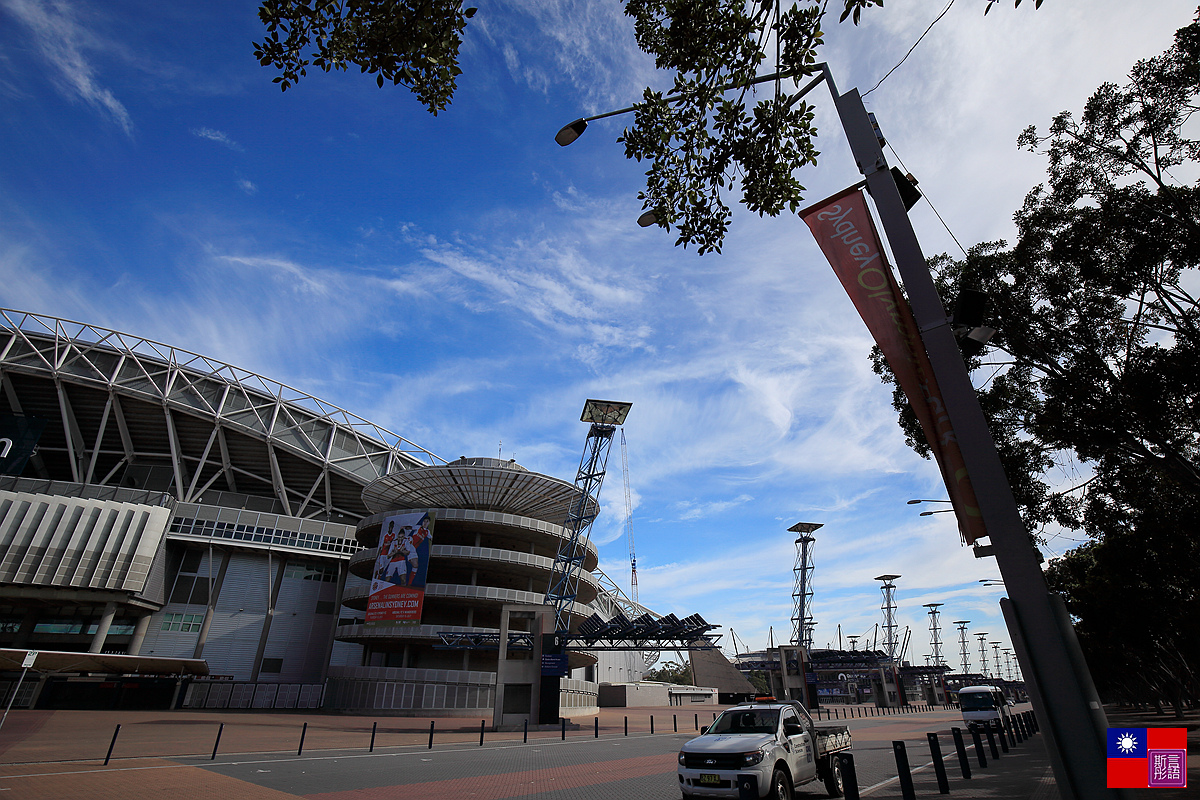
[(976, 701), (759, 720)]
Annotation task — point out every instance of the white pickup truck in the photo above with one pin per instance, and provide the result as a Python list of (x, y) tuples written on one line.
[(773, 745)]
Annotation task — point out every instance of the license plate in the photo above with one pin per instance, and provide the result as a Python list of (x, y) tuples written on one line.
[(708, 778)]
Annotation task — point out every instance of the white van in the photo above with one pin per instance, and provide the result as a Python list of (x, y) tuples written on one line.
[(982, 704)]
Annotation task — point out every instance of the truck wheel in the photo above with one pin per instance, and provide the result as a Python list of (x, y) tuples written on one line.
[(781, 785), (833, 777)]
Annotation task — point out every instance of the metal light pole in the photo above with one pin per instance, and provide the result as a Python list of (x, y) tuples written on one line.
[(1060, 685), (996, 659), (802, 591), (963, 654), (889, 614), (983, 653), (935, 639)]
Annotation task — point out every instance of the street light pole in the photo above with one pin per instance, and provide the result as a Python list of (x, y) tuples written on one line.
[(1056, 674)]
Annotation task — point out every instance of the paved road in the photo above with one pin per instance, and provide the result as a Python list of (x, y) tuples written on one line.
[(637, 766)]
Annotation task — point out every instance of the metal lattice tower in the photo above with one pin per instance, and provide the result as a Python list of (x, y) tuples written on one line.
[(890, 642), (1008, 664), (853, 642), (963, 653), (604, 417), (633, 586), (802, 591), (983, 668), (935, 631), (996, 659)]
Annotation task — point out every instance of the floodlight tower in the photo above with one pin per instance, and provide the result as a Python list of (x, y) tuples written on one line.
[(889, 614), (935, 639), (983, 652), (963, 654), (604, 417), (996, 659), (853, 642), (802, 590), (1008, 663)]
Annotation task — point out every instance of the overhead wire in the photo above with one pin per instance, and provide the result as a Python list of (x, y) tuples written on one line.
[(910, 50)]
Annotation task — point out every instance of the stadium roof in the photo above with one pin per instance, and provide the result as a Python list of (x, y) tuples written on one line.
[(124, 410)]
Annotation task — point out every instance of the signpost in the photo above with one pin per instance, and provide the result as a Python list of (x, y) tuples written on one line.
[(26, 663)]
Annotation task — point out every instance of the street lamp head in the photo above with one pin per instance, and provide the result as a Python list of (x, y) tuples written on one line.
[(570, 132), (647, 219)]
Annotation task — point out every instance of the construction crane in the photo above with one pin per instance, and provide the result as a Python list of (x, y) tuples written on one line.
[(633, 586)]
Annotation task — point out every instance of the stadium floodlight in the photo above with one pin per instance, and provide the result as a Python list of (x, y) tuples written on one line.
[(605, 412)]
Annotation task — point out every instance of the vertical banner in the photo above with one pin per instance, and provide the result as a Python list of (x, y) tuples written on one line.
[(844, 230), (398, 578)]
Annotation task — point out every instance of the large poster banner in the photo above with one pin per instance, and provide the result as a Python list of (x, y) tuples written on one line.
[(847, 235), (398, 579)]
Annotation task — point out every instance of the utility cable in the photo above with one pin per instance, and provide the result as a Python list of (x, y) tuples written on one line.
[(900, 161), (910, 50)]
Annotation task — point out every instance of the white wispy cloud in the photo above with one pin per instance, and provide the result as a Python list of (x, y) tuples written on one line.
[(220, 137), (247, 186), (62, 41)]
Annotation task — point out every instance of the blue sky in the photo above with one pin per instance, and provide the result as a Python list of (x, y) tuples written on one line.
[(466, 283)]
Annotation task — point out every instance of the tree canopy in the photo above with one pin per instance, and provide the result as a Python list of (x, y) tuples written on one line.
[(1095, 367)]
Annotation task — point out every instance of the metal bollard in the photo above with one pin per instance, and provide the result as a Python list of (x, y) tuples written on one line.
[(562, 720), (992, 742), (627, 726), (978, 741), (374, 727), (303, 733), (964, 763), (1010, 733), (217, 743), (525, 733), (903, 772), (596, 727), (430, 734), (849, 775), (651, 723), (1000, 735), (112, 744), (747, 786), (674, 723), (939, 766), (481, 722), (697, 721)]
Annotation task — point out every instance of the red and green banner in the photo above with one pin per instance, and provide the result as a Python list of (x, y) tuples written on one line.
[(398, 578), (847, 236)]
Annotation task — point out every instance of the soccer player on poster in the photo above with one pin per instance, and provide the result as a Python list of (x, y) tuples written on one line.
[(398, 580)]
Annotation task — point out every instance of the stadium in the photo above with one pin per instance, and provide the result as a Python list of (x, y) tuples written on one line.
[(179, 532)]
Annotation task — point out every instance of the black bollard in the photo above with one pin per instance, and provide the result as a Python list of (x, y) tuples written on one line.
[(992, 742), (596, 727), (964, 764), (627, 726), (303, 733), (652, 724), (697, 721), (1009, 732), (525, 733), (562, 720), (1000, 735), (674, 723), (112, 744), (939, 766), (978, 741), (374, 727), (481, 732), (217, 743), (849, 775), (430, 734), (903, 772)]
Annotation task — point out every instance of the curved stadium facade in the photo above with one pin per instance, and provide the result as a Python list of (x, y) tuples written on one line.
[(178, 507)]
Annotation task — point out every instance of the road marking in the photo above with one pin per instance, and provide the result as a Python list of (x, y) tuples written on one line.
[(892, 779)]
